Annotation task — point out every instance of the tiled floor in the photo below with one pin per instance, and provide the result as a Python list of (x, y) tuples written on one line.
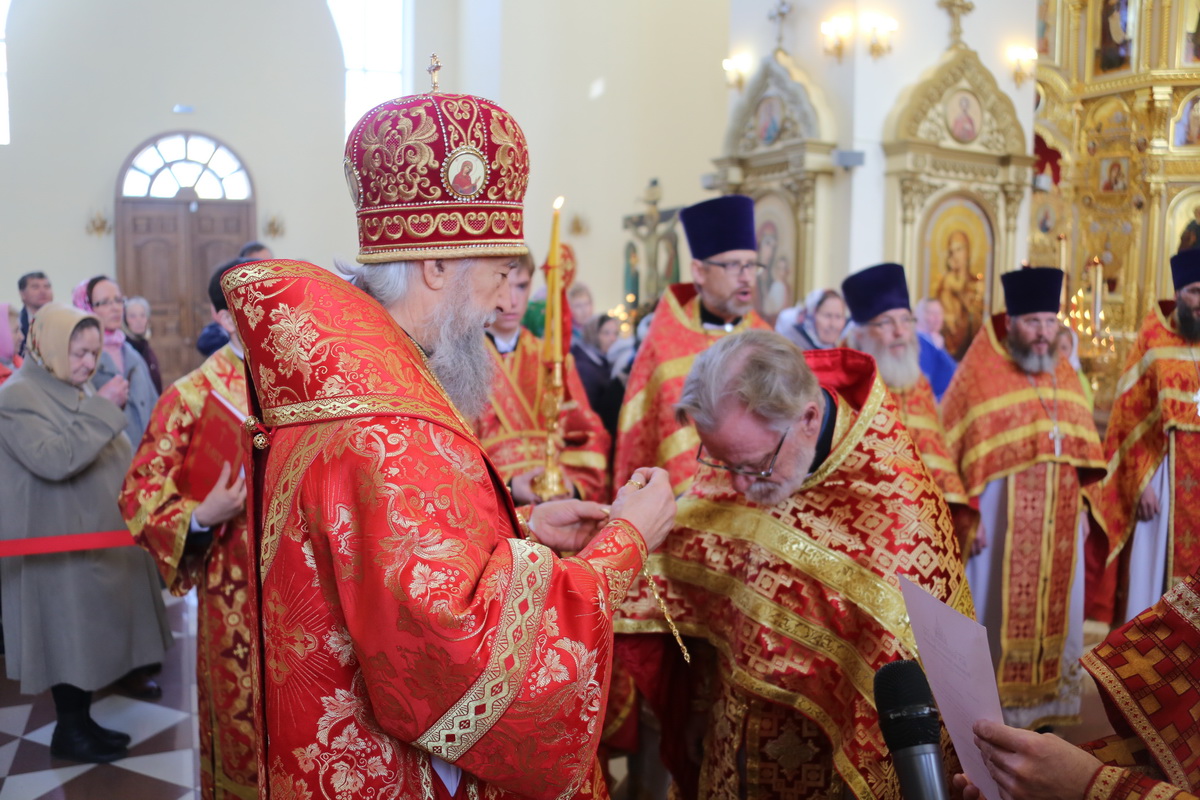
[(162, 762)]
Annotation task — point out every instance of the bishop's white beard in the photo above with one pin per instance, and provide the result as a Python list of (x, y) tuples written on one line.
[(460, 358), (899, 372)]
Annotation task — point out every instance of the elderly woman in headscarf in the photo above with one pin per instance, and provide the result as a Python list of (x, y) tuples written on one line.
[(137, 333), (824, 320), (74, 621), (102, 296)]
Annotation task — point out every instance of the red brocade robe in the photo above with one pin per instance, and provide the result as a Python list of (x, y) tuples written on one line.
[(157, 501), (919, 412), (802, 605), (1148, 673), (647, 433), (999, 427), (1155, 419), (403, 616), (513, 435)]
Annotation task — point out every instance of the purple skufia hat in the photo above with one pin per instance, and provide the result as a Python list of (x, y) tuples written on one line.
[(1032, 290), (874, 290), (1185, 267), (719, 225)]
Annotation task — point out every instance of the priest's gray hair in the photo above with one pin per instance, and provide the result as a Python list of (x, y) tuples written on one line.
[(762, 370)]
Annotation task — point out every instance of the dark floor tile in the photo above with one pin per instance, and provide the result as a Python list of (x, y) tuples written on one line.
[(177, 737), (109, 782)]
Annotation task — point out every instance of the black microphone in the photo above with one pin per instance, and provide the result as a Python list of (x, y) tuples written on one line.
[(912, 730)]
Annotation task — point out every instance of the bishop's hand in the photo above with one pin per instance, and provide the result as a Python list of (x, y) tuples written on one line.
[(567, 525)]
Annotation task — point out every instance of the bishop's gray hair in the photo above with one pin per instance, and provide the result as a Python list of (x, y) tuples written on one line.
[(763, 370), (386, 282)]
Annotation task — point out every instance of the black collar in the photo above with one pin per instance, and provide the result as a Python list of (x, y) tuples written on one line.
[(825, 439)]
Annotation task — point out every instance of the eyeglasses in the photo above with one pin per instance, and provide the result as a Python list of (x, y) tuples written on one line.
[(105, 303), (737, 267), (893, 323), (749, 473)]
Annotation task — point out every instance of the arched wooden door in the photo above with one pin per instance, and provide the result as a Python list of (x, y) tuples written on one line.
[(185, 203)]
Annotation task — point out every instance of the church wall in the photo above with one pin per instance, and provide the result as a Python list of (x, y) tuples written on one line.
[(90, 81), (861, 91), (661, 113)]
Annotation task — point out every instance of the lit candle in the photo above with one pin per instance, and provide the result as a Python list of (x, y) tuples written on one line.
[(1098, 292), (552, 351)]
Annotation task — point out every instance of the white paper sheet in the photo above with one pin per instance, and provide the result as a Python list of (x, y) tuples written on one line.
[(954, 652)]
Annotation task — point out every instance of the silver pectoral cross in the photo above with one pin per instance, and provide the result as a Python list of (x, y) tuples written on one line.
[(1057, 436)]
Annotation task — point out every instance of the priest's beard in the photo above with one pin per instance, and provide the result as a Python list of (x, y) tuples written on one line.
[(1189, 323), (899, 372), (460, 358), (769, 493), (1026, 359)]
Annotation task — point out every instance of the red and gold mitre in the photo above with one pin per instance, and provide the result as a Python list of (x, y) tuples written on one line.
[(318, 348), (437, 176)]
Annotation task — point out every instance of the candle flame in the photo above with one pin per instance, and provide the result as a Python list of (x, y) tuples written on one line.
[(559, 202)]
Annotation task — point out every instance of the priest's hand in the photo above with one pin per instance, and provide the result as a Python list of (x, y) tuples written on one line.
[(567, 526), (1029, 766), (980, 542), (647, 501), (522, 488), (1148, 506), (224, 502)]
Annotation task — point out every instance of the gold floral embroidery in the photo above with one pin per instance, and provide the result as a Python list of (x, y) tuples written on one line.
[(512, 158), (469, 720), (397, 156)]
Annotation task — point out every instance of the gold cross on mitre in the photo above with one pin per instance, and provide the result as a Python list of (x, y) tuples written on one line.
[(956, 8), (435, 64)]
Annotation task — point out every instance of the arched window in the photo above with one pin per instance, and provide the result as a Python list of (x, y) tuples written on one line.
[(373, 34), (186, 161), (5, 138)]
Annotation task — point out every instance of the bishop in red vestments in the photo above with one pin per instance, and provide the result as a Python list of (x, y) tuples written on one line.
[(511, 428), (688, 319), (418, 639), (185, 503)]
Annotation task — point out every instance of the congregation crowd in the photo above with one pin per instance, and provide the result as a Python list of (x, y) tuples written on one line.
[(390, 606)]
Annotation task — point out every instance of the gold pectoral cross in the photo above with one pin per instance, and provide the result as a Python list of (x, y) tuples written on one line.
[(1057, 436)]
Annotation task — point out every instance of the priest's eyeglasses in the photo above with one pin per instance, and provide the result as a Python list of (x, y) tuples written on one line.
[(889, 324), (749, 473), (737, 268)]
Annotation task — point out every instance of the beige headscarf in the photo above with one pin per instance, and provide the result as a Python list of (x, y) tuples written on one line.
[(50, 338)]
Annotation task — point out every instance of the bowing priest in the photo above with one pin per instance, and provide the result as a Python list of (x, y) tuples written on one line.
[(1145, 503), (688, 319), (184, 500), (782, 573), (420, 639), (1021, 432), (511, 429), (883, 327)]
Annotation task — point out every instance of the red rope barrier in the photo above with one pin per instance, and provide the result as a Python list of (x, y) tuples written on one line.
[(66, 543)]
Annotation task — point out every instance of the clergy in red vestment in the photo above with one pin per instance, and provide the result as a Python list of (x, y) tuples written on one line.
[(689, 318), (1145, 503), (1021, 433), (883, 327), (511, 429), (419, 639), (1148, 673), (811, 498), (184, 501)]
